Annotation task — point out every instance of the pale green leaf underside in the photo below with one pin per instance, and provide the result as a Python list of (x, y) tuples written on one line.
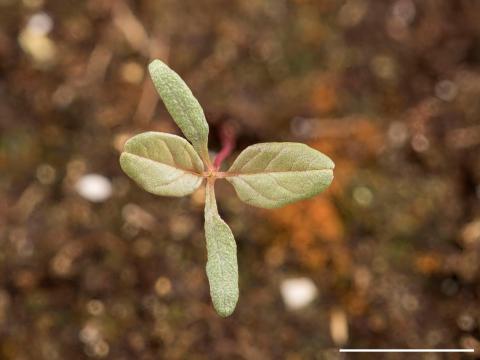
[(271, 175), (181, 104), (162, 164), (222, 267)]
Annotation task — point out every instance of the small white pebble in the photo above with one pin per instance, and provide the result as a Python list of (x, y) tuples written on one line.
[(40, 24), (420, 143), (298, 292), (404, 11), (94, 187), (446, 90), (397, 133), (89, 333), (363, 195), (301, 127)]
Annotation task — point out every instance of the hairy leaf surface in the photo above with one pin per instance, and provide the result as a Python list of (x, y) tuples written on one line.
[(222, 267), (182, 105), (271, 175), (162, 164)]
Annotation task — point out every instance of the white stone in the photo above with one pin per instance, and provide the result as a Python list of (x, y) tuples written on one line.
[(40, 24), (298, 292), (94, 187), (446, 90)]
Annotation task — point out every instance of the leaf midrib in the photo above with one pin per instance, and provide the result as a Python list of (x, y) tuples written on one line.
[(158, 162), (235, 174)]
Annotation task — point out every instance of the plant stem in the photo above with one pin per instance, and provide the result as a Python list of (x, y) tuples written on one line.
[(227, 138)]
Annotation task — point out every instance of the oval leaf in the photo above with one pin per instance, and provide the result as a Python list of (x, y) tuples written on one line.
[(222, 267), (162, 164), (182, 105), (271, 175)]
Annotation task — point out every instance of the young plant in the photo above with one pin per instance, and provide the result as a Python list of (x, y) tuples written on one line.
[(266, 175)]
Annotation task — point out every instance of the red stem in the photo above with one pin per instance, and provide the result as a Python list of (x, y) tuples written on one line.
[(227, 138)]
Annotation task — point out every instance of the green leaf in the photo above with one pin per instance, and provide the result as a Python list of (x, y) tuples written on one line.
[(182, 105), (271, 175), (162, 164), (222, 268)]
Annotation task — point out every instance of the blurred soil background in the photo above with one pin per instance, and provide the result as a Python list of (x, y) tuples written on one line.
[(91, 266)]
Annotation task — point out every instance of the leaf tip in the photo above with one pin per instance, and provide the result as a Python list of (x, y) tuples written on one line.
[(331, 164), (123, 160), (225, 310), (154, 64)]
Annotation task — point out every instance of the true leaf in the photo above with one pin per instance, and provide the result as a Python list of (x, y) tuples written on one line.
[(182, 105), (162, 164), (271, 175), (222, 268)]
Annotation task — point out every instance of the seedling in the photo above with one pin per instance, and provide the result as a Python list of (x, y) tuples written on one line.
[(267, 175)]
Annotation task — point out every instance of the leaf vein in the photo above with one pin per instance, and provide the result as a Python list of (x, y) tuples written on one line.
[(175, 166), (256, 190), (250, 160), (172, 159), (274, 157), (282, 186)]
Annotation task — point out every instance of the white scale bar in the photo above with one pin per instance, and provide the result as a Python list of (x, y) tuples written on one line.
[(408, 350)]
